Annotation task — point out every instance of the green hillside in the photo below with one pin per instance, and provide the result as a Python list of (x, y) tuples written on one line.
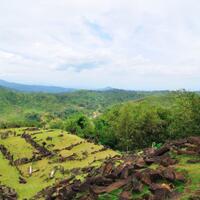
[(26, 109)]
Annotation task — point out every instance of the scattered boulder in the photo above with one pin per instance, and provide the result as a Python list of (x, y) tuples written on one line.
[(179, 177), (88, 197), (74, 156), (125, 195), (76, 186), (22, 180), (150, 160), (194, 140), (161, 151), (160, 191), (109, 166), (172, 175), (149, 151), (155, 175), (169, 174), (49, 138), (31, 129), (61, 135), (167, 161), (4, 135), (73, 145), (121, 170), (140, 163), (186, 152), (7, 193), (143, 177), (6, 154), (125, 172), (193, 161), (101, 181), (21, 161), (116, 185), (137, 186)]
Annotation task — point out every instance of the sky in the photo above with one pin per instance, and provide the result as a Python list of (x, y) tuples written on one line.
[(127, 44)]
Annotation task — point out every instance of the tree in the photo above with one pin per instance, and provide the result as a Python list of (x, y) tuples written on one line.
[(32, 119), (80, 125), (185, 115)]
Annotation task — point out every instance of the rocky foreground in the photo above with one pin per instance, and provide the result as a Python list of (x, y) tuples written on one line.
[(159, 170)]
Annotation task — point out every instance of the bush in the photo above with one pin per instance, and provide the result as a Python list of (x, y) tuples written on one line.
[(56, 124), (132, 126), (80, 125)]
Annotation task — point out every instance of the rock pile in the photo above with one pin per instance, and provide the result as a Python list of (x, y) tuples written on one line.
[(132, 175), (6, 133)]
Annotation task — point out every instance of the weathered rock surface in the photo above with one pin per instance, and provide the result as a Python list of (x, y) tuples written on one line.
[(7, 193)]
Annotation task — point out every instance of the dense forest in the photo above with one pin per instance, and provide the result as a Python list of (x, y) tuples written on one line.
[(124, 120), (135, 125), (19, 109)]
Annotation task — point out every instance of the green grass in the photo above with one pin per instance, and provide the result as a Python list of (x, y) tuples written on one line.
[(193, 176), (59, 142), (41, 179), (10, 177), (80, 149), (114, 195), (15, 144), (8, 174)]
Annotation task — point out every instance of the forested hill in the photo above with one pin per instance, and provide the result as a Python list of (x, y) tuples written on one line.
[(20, 106), (87, 99)]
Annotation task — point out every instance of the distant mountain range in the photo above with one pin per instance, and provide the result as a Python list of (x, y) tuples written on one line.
[(34, 88), (45, 89), (55, 89)]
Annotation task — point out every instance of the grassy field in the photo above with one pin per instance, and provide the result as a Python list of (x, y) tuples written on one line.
[(193, 174), (70, 155)]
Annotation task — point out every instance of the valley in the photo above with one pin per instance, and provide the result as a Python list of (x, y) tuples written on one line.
[(99, 145)]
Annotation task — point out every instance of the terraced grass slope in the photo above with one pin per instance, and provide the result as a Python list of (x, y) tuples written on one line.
[(34, 159)]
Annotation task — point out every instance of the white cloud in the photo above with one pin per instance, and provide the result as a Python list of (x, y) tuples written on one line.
[(135, 44)]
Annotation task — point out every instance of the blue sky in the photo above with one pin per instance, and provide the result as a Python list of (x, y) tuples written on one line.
[(130, 44)]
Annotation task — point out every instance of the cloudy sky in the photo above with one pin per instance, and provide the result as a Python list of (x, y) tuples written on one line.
[(131, 44)]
